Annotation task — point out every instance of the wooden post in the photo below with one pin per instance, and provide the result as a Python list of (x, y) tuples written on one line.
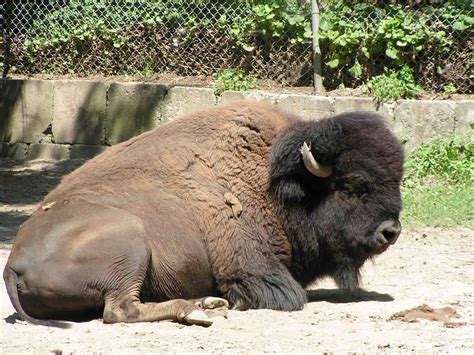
[(317, 71)]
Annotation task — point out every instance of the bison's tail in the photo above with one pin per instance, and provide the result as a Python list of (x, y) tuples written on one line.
[(11, 283)]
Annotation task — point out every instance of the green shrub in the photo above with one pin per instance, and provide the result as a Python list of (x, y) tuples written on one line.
[(354, 34), (358, 38), (270, 20), (394, 85), (93, 19), (235, 80), (447, 159)]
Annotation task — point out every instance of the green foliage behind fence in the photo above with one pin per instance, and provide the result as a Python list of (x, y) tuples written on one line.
[(361, 40), (267, 39)]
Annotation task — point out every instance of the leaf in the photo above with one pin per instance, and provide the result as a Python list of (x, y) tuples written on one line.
[(365, 51), (324, 25), (248, 47), (333, 63), (356, 70), (342, 41), (460, 26), (392, 53)]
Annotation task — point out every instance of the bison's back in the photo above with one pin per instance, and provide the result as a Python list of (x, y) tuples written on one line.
[(210, 148)]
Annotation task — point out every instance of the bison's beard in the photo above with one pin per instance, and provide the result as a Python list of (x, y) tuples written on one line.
[(347, 275)]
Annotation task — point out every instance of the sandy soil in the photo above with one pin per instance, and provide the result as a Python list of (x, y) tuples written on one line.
[(429, 266)]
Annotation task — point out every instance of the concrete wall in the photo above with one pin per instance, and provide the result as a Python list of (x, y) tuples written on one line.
[(77, 119)]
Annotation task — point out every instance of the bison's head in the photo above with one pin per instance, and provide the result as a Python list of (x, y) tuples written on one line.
[(337, 182)]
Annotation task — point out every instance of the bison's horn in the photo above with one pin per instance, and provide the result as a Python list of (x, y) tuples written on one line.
[(312, 165)]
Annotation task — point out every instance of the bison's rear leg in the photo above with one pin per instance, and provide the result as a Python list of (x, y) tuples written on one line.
[(122, 302)]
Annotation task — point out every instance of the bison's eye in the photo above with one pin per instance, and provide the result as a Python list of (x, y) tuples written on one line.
[(354, 185), (357, 190)]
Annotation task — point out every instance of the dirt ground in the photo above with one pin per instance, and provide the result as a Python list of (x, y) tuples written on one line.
[(209, 82), (431, 267)]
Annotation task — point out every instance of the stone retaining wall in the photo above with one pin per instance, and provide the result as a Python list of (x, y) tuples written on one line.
[(60, 119)]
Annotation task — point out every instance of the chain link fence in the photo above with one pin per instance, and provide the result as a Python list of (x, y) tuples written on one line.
[(267, 39)]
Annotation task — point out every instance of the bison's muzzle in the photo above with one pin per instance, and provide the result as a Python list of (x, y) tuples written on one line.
[(386, 234)]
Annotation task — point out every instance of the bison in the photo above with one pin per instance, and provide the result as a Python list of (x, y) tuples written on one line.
[(242, 205)]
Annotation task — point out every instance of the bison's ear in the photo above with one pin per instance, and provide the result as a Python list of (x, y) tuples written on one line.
[(315, 168)]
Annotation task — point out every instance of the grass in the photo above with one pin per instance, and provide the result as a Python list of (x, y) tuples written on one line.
[(439, 205), (438, 188)]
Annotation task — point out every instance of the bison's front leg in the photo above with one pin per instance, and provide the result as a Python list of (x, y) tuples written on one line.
[(278, 291)]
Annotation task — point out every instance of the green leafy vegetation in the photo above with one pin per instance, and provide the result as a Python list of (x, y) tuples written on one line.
[(353, 34), (235, 80), (450, 88), (394, 84), (438, 188), (91, 20), (360, 40), (272, 19)]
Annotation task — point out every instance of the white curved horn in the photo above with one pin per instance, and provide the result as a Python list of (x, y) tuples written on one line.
[(312, 165)]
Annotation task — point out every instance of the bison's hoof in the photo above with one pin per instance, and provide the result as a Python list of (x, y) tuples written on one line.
[(217, 312), (214, 302), (198, 317)]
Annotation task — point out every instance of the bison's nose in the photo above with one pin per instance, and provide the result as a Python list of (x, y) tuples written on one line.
[(390, 230)]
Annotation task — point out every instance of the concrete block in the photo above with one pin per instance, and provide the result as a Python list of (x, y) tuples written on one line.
[(349, 104), (11, 111), (230, 96), (417, 121), (26, 110), (79, 111), (308, 107), (79, 151), (16, 151), (185, 100), (464, 116), (48, 151), (132, 108), (269, 97)]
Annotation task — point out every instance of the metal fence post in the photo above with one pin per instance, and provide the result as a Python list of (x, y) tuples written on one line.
[(2, 45), (5, 12), (317, 71)]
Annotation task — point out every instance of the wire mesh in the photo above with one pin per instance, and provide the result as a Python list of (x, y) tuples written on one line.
[(433, 38), (268, 40)]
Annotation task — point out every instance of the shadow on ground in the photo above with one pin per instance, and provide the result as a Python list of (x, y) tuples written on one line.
[(22, 187), (341, 296)]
